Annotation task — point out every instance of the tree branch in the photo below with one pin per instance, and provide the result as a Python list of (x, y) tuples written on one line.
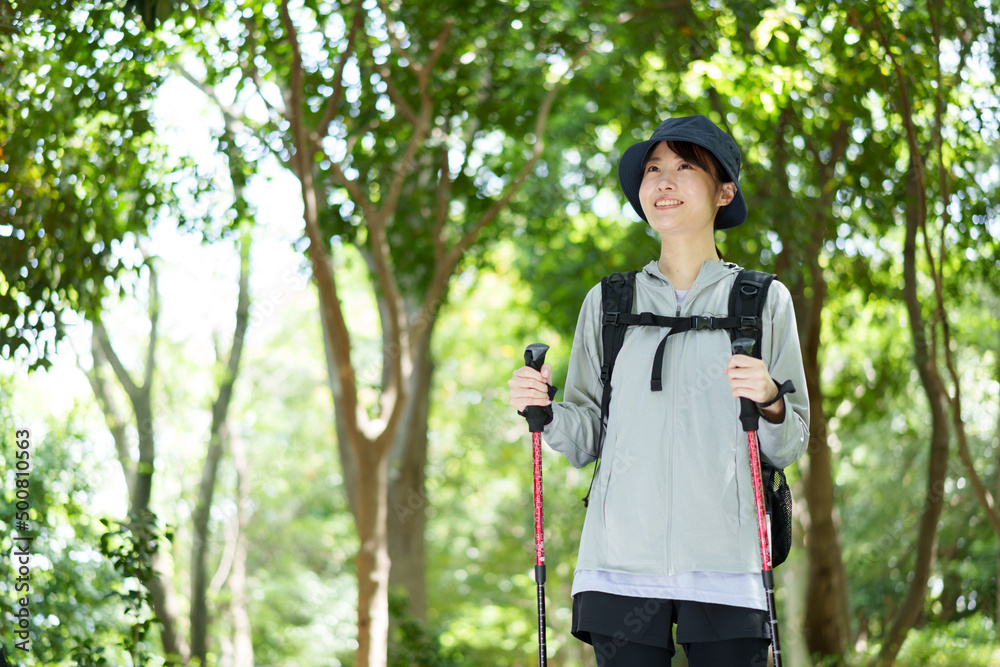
[(154, 319), (331, 307), (438, 46), (294, 94), (358, 197), (985, 498), (254, 73), (452, 257), (111, 411), (394, 389), (396, 97), (421, 127), (443, 205), (357, 25), (394, 42), (116, 363)]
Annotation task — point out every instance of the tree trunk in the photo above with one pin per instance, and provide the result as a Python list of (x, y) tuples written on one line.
[(365, 442), (937, 399), (407, 490), (998, 489), (140, 476), (199, 546), (142, 492), (827, 620), (373, 557), (408, 494), (242, 635), (826, 614), (167, 609), (218, 439)]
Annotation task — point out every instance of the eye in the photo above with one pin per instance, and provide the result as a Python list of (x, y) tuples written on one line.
[(686, 165), (651, 167)]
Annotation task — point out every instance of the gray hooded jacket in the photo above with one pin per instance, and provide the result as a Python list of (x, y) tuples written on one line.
[(673, 493)]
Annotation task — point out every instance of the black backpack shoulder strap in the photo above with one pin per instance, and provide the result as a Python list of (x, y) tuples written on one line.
[(746, 301), (617, 296)]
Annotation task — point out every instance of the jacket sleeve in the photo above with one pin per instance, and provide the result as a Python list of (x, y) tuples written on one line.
[(783, 443), (576, 420)]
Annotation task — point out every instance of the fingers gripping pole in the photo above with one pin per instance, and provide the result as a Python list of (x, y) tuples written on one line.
[(534, 356)]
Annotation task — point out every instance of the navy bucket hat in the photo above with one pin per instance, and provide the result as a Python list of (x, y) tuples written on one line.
[(696, 130)]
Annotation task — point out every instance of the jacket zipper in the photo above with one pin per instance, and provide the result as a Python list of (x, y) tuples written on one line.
[(670, 463), (673, 429)]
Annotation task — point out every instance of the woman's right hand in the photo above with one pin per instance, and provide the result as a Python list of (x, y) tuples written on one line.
[(530, 387)]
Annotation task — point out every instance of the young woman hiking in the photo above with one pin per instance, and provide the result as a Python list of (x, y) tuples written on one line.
[(670, 536)]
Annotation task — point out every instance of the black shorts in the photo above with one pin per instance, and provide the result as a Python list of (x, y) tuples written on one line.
[(650, 621)]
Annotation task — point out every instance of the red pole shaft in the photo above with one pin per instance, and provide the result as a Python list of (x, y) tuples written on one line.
[(536, 441), (539, 520), (763, 531), (758, 496)]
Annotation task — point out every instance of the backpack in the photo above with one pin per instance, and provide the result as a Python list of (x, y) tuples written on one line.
[(746, 307)]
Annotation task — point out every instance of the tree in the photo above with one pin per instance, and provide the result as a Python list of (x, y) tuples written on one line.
[(394, 120), (82, 178), (924, 132)]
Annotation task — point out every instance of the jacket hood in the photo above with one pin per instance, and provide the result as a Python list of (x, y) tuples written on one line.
[(710, 273)]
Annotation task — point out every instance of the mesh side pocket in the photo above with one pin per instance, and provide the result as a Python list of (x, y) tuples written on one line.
[(778, 496)]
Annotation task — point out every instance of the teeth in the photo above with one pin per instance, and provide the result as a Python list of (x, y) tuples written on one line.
[(667, 202)]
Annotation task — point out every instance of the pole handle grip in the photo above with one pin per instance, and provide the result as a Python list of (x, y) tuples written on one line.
[(534, 355), (538, 416), (743, 346), (749, 414)]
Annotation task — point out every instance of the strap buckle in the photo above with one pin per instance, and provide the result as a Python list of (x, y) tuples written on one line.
[(701, 322), (749, 323), (611, 318)]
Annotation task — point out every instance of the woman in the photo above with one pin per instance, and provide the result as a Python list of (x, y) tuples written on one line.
[(670, 536)]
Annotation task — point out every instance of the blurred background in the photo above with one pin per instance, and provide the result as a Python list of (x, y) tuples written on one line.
[(267, 268)]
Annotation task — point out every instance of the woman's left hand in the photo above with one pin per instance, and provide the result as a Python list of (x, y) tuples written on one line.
[(749, 378)]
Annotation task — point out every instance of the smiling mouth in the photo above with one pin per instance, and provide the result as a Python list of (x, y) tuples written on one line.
[(666, 203)]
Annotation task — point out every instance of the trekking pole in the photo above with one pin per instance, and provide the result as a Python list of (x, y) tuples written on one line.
[(537, 416), (749, 416)]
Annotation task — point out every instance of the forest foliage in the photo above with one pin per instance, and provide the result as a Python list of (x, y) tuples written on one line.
[(143, 145)]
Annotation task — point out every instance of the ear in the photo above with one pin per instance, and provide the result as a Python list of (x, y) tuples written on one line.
[(726, 194)]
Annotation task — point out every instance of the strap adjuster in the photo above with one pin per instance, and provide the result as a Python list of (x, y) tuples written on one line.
[(611, 318), (701, 322), (749, 323)]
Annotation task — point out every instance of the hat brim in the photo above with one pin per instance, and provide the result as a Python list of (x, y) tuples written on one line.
[(630, 178)]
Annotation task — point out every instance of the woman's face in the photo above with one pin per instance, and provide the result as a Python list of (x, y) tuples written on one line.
[(679, 196)]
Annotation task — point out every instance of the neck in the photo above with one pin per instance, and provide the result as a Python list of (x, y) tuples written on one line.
[(681, 261)]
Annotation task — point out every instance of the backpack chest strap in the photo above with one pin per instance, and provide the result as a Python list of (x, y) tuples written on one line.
[(693, 323)]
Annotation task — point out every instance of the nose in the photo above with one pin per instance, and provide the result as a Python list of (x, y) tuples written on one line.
[(664, 180)]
